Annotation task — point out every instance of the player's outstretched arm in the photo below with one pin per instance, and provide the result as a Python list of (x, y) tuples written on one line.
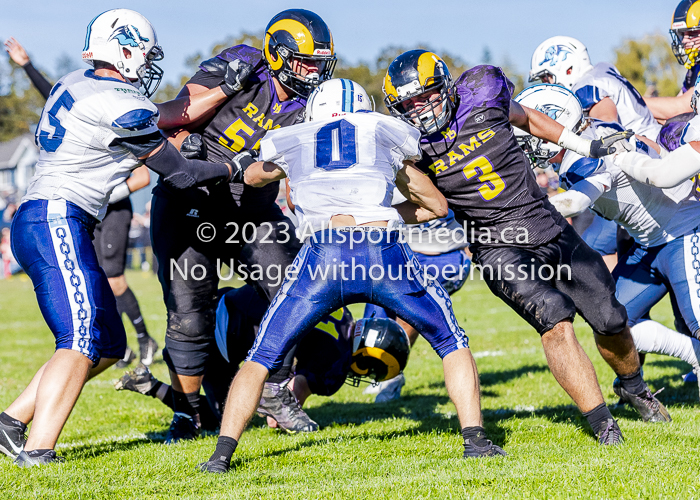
[(425, 202), (542, 126), (664, 108), (175, 170), (667, 172), (261, 173), (604, 110), (19, 56), (197, 102)]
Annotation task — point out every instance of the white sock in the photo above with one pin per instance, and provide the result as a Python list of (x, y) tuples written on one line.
[(650, 336)]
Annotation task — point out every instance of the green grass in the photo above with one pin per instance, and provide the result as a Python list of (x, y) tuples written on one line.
[(408, 449)]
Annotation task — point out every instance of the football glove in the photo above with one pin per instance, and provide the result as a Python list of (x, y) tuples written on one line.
[(236, 76), (193, 148), (607, 145), (239, 164)]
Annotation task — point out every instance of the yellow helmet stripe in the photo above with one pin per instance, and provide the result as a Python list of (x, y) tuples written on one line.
[(393, 368), (300, 33), (389, 88), (693, 18), (426, 66)]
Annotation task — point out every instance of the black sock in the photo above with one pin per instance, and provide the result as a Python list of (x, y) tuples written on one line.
[(476, 435), (38, 453), (225, 447), (163, 392), (633, 382), (127, 303), (8, 420), (598, 416), (187, 403)]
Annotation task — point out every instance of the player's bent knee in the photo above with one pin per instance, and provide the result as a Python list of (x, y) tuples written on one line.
[(553, 308), (612, 322), (190, 326)]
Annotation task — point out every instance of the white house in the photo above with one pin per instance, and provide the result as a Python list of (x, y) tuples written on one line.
[(18, 157)]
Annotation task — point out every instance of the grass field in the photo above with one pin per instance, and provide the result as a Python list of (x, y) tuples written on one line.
[(407, 449)]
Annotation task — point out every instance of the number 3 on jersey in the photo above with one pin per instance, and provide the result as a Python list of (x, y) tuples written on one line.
[(492, 185), (50, 142), (335, 146)]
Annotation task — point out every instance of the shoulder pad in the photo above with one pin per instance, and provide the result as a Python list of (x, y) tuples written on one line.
[(486, 85), (579, 170), (137, 119), (588, 95), (215, 66)]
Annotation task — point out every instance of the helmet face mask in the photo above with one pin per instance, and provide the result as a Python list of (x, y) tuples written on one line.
[(685, 33), (296, 41), (559, 104), (126, 40), (420, 91)]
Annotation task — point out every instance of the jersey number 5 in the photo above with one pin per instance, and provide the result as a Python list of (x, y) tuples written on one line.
[(492, 185), (335, 146), (52, 143)]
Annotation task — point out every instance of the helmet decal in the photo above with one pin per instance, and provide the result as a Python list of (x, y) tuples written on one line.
[(551, 110), (555, 54), (124, 36)]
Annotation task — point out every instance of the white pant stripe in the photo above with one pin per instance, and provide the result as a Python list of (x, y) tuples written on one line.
[(73, 276)]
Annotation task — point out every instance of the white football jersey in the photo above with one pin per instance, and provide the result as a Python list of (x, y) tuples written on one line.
[(651, 215), (604, 80), (691, 132), (342, 166), (78, 159)]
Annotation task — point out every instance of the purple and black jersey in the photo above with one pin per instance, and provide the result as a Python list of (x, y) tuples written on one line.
[(242, 121), (476, 163), (671, 132)]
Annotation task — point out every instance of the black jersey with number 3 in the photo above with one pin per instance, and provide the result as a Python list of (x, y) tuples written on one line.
[(477, 164)]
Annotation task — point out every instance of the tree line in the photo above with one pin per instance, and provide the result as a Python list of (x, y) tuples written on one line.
[(647, 63)]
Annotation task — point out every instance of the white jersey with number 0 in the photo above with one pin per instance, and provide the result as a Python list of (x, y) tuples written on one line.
[(80, 158), (342, 166)]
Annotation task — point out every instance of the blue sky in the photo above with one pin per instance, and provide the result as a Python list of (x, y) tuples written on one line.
[(361, 28)]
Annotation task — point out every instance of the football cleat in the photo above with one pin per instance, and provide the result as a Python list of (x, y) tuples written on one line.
[(389, 390), (489, 450), (148, 350), (129, 356), (140, 380), (645, 403), (609, 433), (279, 403), (183, 427), (29, 459), (214, 467), (12, 439)]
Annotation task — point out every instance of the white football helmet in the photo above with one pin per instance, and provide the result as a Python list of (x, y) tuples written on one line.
[(126, 40), (561, 105), (562, 58), (337, 97)]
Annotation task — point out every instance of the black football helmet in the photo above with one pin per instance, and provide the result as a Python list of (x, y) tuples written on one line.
[(380, 349), (686, 21), (298, 34), (414, 73)]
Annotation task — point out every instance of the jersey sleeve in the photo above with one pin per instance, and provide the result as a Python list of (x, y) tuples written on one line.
[(487, 85), (211, 72), (590, 95), (577, 168), (276, 146), (402, 139), (127, 116), (691, 132)]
